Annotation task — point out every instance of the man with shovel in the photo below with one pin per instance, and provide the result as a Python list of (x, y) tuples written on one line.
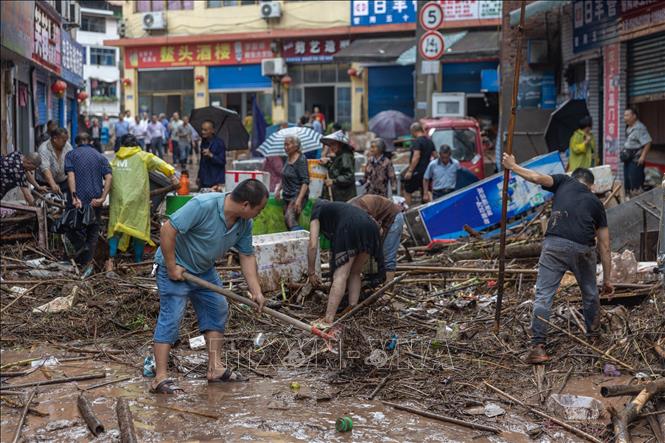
[(191, 241)]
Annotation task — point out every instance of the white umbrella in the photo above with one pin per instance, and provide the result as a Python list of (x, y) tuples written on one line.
[(310, 140)]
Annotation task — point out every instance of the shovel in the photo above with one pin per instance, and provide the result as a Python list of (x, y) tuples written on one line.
[(246, 301)]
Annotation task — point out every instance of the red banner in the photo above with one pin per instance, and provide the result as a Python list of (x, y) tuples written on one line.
[(199, 54), (611, 110), (46, 44)]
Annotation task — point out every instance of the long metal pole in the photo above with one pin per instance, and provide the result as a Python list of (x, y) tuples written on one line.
[(506, 172)]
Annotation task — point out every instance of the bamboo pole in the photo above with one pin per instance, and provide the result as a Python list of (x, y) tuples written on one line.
[(85, 408), (125, 422), (506, 172), (17, 433), (444, 418)]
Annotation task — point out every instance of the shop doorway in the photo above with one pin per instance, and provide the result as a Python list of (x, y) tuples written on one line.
[(324, 98)]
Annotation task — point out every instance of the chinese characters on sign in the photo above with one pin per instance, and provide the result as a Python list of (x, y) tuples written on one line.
[(386, 12), (46, 44), (594, 23), (318, 50), (72, 60), (198, 54), (611, 109)]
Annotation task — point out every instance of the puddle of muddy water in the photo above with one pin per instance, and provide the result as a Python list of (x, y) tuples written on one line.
[(261, 410)]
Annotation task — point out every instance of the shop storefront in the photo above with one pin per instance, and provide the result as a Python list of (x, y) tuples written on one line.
[(317, 81), (167, 79)]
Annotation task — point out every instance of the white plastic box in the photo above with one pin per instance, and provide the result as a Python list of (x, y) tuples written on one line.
[(282, 257), (235, 177)]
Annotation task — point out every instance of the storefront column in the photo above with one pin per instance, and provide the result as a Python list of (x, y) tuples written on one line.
[(358, 99), (280, 111), (201, 95), (130, 91)]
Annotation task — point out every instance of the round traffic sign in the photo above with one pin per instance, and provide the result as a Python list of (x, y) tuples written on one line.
[(431, 46), (431, 16)]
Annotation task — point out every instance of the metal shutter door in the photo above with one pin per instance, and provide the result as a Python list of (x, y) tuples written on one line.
[(42, 109), (390, 87), (646, 66)]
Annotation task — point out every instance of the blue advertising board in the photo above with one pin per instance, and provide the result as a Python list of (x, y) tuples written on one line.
[(73, 59), (594, 23), (383, 12), (479, 205)]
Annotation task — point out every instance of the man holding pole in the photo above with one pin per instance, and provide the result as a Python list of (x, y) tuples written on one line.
[(191, 241), (578, 220)]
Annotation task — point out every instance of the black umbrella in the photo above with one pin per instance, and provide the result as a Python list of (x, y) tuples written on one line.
[(228, 126), (563, 122)]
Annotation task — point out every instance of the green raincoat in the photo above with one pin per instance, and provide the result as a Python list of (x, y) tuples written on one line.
[(130, 194), (582, 155), (342, 173)]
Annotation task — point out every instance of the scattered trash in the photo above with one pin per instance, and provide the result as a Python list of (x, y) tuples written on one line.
[(574, 407), (445, 332), (295, 386), (58, 304), (493, 410), (344, 424), (36, 263), (610, 370), (392, 344), (18, 290), (149, 366), (198, 342), (259, 340), (377, 358), (48, 362)]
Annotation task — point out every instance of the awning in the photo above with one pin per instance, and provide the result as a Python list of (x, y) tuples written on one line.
[(461, 45), (374, 50), (535, 8)]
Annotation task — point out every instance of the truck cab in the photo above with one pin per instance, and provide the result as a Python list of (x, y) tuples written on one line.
[(464, 138)]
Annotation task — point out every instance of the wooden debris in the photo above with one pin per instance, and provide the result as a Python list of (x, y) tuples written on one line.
[(85, 408)]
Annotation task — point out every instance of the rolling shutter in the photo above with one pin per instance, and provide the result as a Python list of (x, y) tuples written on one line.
[(646, 66), (42, 109), (390, 87)]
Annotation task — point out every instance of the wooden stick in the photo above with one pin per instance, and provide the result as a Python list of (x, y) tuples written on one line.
[(621, 420), (619, 390), (85, 408), (604, 354), (379, 387), (106, 383), (55, 381), (17, 433), (435, 269), (444, 418), (371, 299), (125, 422), (564, 425), (506, 172)]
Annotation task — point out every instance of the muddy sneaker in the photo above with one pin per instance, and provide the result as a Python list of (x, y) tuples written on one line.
[(537, 355)]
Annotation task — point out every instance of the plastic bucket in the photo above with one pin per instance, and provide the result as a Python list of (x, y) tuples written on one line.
[(175, 202)]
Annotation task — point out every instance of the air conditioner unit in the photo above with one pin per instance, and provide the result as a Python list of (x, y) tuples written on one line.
[(154, 21), (75, 14), (270, 10), (273, 66)]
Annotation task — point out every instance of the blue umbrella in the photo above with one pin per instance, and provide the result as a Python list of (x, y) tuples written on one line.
[(274, 145)]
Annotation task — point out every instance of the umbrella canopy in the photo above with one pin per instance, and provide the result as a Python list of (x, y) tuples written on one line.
[(338, 136), (390, 124), (228, 126), (310, 140), (563, 122)]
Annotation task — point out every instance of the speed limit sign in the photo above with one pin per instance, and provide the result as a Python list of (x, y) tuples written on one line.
[(430, 45), (431, 16)]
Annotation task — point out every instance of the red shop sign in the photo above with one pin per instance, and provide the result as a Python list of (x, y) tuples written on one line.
[(313, 50), (197, 54)]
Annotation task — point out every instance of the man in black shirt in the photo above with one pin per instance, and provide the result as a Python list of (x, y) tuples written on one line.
[(577, 220), (421, 154)]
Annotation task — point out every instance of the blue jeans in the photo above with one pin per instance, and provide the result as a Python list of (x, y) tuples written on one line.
[(211, 308), (157, 146), (139, 247), (391, 243), (558, 256), (633, 176)]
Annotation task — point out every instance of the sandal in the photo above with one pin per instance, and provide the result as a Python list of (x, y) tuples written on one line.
[(167, 386), (229, 376)]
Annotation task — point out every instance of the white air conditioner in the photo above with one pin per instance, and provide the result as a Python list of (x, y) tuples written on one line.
[(270, 10), (75, 14), (449, 104), (273, 66), (154, 21)]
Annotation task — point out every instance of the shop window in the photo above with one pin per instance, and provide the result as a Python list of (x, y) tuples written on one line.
[(328, 73), (93, 24), (101, 91), (102, 56), (163, 5), (312, 74), (295, 72), (296, 105), (343, 73), (171, 80), (220, 3), (344, 105)]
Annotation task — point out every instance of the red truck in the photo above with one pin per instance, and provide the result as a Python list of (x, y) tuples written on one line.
[(464, 137)]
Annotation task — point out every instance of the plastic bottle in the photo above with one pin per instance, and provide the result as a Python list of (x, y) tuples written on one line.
[(184, 183), (344, 424), (149, 367)]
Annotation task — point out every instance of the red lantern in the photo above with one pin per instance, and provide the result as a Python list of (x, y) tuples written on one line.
[(286, 80), (199, 79), (59, 88), (352, 72), (127, 81), (82, 96)]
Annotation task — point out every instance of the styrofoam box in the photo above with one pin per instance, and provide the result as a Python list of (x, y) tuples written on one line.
[(282, 257), (235, 177), (254, 164)]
